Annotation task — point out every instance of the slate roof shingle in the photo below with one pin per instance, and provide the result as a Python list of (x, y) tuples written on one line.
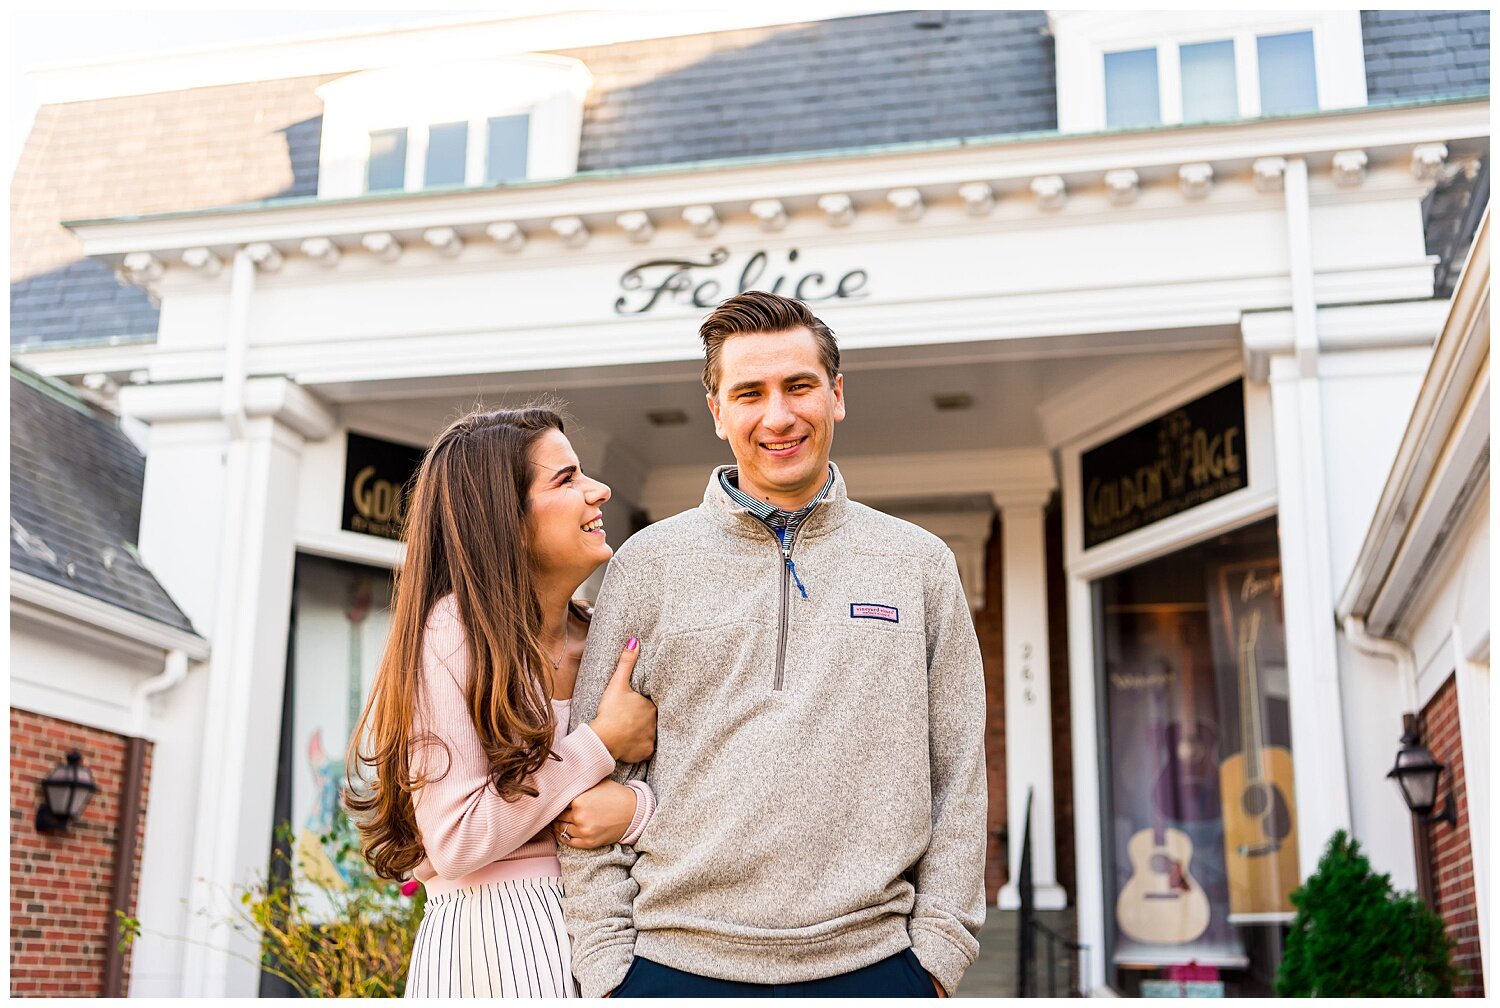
[(75, 500), (849, 82)]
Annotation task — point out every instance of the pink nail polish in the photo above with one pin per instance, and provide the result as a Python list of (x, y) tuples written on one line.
[(632, 644), (409, 887)]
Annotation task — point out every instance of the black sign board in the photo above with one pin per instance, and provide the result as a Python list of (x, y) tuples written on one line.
[(1176, 462), (375, 477)]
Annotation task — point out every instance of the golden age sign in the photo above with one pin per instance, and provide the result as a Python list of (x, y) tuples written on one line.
[(1188, 457), (375, 477)]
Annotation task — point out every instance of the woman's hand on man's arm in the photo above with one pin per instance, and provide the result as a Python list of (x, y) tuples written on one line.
[(598, 817)]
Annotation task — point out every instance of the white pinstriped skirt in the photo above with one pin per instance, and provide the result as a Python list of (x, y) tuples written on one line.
[(500, 939)]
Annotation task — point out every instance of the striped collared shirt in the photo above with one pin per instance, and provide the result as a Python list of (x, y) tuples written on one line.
[(783, 523)]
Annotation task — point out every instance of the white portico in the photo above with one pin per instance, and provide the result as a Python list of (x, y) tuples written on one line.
[(1286, 252)]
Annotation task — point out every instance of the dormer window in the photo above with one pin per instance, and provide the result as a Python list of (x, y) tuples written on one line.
[(1119, 71), (407, 129)]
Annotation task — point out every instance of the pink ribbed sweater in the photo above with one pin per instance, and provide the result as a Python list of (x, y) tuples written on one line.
[(470, 833)]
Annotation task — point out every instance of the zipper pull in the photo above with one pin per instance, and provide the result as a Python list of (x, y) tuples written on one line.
[(793, 568)]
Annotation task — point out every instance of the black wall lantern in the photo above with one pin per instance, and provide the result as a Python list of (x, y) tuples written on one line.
[(1417, 773), (65, 794)]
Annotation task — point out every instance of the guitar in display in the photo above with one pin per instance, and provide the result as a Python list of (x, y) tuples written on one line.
[(1161, 903), (1260, 832), (1187, 789)]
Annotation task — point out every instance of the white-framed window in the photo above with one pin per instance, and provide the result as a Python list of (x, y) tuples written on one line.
[(1117, 70), (429, 126)]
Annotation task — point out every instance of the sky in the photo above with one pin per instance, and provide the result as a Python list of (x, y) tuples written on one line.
[(62, 36), (59, 36)]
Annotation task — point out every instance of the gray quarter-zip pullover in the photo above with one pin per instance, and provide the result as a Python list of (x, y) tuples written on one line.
[(819, 765)]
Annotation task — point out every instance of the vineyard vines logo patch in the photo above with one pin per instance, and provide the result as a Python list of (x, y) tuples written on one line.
[(869, 610)]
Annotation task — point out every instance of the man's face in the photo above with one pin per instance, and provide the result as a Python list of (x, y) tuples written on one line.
[(776, 407)]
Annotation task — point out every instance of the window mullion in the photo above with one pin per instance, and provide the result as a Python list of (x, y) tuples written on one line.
[(416, 157), (476, 152), (1169, 78), (1247, 73)]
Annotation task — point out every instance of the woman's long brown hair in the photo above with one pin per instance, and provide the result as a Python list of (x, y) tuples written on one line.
[(465, 534)]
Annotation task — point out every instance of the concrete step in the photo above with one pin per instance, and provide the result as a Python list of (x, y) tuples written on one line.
[(994, 973)]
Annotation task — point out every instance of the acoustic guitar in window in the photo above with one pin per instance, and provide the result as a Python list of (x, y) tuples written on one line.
[(1260, 831), (1162, 903)]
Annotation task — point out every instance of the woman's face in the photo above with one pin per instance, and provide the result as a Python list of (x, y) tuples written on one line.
[(566, 523)]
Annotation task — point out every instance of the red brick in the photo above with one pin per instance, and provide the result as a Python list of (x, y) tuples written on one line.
[(1452, 858), (60, 918)]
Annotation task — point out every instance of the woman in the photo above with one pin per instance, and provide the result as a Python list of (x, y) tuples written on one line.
[(465, 726)]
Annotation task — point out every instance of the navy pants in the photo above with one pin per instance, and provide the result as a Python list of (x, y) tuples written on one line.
[(901, 975)]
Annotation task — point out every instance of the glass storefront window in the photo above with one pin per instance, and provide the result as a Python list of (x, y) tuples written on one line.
[(1197, 762), (340, 621)]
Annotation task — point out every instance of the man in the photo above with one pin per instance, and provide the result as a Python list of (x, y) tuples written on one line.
[(819, 764)]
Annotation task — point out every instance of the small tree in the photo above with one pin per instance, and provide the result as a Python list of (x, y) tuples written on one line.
[(1355, 936), (340, 934)]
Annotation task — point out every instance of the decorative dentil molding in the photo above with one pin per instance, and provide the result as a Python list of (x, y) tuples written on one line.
[(266, 257), (1123, 185), (321, 250), (1427, 161), (1196, 179), (572, 230), (382, 245), (139, 269), (507, 234), (202, 260), (1051, 191), (702, 218), (1270, 174), (771, 213), (445, 240), (978, 197), (637, 225), (838, 208), (907, 203), (1349, 167)]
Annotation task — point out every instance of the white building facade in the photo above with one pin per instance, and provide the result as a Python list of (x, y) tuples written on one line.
[(1195, 346)]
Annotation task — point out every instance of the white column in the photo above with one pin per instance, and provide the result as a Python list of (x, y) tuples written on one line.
[(218, 528), (1028, 701), (1317, 710)]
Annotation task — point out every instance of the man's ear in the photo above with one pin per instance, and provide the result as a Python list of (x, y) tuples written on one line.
[(838, 398), (713, 407)]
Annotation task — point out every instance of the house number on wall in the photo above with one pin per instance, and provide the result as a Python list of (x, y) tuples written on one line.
[(1027, 693)]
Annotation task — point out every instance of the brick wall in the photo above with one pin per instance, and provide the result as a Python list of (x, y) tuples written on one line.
[(990, 626), (60, 882), (1452, 858), (989, 623), (180, 150), (1062, 709)]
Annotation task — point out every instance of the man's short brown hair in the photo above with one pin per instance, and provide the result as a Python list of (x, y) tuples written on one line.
[(760, 312)]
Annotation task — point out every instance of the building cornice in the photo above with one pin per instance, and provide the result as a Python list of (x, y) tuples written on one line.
[(76, 612), (266, 396), (1443, 458), (1038, 172)]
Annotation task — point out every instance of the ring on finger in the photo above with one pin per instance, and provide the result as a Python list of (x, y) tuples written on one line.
[(565, 834)]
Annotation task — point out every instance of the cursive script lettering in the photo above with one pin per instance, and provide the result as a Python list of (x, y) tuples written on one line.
[(682, 281)]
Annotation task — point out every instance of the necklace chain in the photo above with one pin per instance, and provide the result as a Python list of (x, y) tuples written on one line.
[(563, 653)]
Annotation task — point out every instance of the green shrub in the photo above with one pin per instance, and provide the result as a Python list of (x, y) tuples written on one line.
[(345, 933), (1354, 936)]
